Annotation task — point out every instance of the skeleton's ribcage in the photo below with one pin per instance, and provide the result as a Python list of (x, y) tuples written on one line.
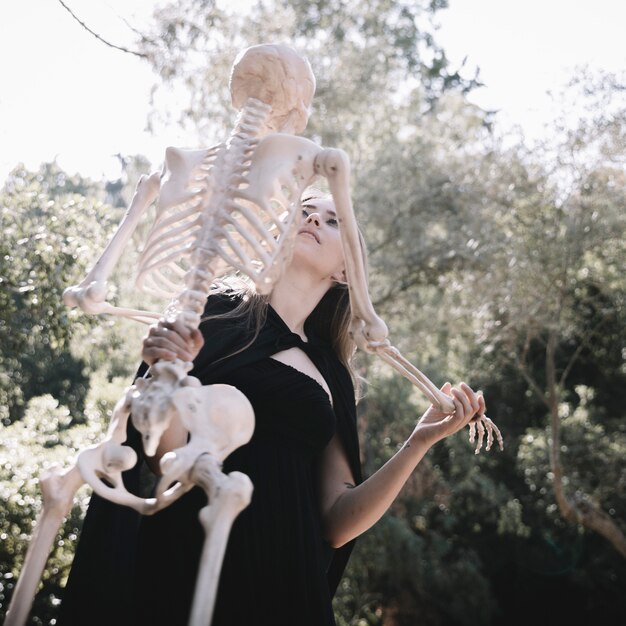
[(255, 236), (165, 259), (212, 233)]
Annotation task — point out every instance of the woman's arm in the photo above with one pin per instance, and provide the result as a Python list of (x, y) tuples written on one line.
[(349, 510)]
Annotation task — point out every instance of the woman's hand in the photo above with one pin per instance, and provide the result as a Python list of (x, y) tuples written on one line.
[(435, 425), (171, 340)]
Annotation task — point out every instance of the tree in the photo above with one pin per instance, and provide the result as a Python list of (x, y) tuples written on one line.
[(361, 54), (560, 299), (47, 219), (61, 371), (46, 434)]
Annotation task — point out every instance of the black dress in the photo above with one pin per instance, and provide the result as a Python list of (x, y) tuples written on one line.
[(274, 569), (277, 570)]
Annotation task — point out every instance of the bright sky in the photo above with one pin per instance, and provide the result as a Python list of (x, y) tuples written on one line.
[(65, 95), (526, 48)]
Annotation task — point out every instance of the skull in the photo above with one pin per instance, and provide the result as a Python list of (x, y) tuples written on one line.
[(276, 75)]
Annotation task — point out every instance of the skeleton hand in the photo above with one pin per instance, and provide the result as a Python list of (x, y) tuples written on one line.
[(469, 411), (169, 340)]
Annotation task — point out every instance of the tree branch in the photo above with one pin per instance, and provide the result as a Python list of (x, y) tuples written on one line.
[(600, 522), (581, 510), (532, 383), (570, 364), (585, 342), (104, 41)]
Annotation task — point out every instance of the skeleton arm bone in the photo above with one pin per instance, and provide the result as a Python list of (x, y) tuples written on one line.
[(334, 165), (393, 357), (368, 330), (90, 293)]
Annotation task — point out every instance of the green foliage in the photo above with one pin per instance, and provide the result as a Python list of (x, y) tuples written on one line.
[(48, 220), (45, 436), (593, 459), (434, 536), (401, 569), (480, 252), (61, 371)]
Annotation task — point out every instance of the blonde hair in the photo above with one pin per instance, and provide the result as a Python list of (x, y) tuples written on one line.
[(330, 319)]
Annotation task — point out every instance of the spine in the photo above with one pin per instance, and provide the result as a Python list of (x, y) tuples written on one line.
[(229, 172)]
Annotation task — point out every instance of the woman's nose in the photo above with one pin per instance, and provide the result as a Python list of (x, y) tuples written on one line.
[(314, 218)]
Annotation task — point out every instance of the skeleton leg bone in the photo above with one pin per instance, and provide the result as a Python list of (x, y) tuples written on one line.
[(58, 488), (228, 496)]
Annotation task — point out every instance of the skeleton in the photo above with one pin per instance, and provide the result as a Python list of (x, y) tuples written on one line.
[(236, 206)]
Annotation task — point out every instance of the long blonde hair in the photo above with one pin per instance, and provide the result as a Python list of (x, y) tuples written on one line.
[(330, 319)]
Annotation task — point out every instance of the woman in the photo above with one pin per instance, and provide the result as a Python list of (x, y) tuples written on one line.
[(290, 354)]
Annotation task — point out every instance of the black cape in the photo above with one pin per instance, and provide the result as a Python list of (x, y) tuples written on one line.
[(102, 575)]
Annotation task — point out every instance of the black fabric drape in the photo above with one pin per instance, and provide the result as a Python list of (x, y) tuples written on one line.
[(102, 573)]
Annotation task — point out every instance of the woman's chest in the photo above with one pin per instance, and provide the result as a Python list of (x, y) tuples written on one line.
[(288, 403)]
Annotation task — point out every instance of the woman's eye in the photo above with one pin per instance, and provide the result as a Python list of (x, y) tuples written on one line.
[(332, 221), (305, 213)]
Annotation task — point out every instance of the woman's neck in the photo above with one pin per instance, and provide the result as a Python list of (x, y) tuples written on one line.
[(295, 296)]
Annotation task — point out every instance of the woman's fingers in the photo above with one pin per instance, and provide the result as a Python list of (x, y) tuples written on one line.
[(170, 340), (482, 407), (179, 326), (468, 403), (152, 355), (462, 403), (471, 396), (174, 344), (153, 350), (190, 340), (197, 340)]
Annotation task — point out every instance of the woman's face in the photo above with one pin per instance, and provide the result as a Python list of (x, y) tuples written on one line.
[(318, 241)]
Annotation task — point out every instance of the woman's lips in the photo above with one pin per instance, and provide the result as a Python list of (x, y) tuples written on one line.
[(310, 233)]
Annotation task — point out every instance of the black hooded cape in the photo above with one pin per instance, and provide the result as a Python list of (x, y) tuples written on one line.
[(99, 588)]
